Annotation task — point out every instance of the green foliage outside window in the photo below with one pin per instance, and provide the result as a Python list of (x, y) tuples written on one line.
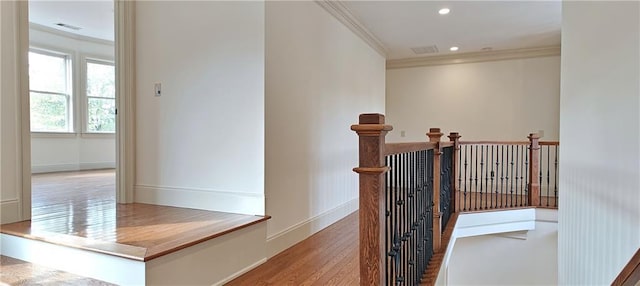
[(48, 112), (101, 93)]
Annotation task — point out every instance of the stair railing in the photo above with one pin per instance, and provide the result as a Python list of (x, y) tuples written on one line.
[(409, 191), (406, 198)]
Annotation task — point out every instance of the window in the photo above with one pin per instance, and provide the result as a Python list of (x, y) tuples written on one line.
[(50, 92), (101, 97)]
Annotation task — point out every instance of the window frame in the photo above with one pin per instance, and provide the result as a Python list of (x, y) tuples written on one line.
[(69, 58), (85, 60)]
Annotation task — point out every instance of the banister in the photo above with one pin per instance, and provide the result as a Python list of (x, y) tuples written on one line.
[(397, 148), (630, 274), (446, 144), (371, 133), (394, 178), (494, 142)]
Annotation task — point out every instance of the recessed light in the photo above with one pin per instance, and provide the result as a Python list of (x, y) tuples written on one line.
[(453, 49), (444, 11)]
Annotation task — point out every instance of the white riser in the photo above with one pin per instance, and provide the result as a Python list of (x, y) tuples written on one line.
[(213, 262), (113, 269)]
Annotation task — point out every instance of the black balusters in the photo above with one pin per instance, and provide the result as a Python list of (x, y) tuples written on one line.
[(446, 187), (555, 181), (465, 180), (475, 205), (549, 174), (540, 179), (517, 172), (526, 176), (502, 186), (409, 216), (495, 175), (481, 170)]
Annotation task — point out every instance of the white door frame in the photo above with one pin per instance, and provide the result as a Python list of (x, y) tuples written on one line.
[(125, 99)]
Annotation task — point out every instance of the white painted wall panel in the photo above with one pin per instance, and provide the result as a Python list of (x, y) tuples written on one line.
[(599, 209), (319, 77), (499, 100), (206, 131), (10, 140)]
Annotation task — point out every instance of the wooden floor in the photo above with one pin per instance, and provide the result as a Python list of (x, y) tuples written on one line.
[(329, 257), (18, 272), (78, 208)]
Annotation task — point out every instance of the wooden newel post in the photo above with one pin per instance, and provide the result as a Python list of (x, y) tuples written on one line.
[(534, 170), (434, 137), (455, 196), (372, 132)]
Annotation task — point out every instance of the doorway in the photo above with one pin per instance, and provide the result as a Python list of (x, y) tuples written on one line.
[(73, 97)]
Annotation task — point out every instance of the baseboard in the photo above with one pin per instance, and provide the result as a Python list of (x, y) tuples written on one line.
[(204, 199), (36, 169), (242, 271), (282, 240), (9, 211)]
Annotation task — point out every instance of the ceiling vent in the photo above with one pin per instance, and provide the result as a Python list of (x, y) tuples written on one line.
[(68, 26), (425, 50)]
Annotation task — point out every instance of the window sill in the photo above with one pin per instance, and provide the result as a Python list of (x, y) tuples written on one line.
[(53, 135), (72, 135), (98, 135)]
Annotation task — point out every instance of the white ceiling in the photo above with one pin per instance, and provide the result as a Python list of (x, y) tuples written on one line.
[(471, 25), (399, 25), (95, 18)]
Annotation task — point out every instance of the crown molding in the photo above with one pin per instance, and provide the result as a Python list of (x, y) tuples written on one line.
[(346, 17), (475, 57), (60, 33)]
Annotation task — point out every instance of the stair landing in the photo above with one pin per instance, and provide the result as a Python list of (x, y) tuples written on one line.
[(135, 231)]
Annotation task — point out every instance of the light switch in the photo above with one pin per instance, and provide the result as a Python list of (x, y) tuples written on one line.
[(157, 89), (402, 134)]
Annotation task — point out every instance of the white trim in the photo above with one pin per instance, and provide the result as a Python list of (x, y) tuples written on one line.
[(98, 135), (9, 211), (286, 238), (204, 199), (475, 57), (125, 99), (37, 134), (338, 10), (24, 122), (241, 271), (109, 268), (37, 169), (66, 34)]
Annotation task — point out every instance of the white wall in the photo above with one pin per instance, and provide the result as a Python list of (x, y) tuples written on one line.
[(507, 259), (319, 77), (599, 210), (498, 100), (10, 143), (200, 144), (50, 153)]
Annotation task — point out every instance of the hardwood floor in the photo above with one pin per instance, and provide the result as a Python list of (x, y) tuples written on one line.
[(78, 208), (329, 257), (18, 272)]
